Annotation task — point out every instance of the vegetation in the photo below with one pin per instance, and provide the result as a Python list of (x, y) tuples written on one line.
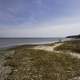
[(74, 36), (29, 64), (73, 46)]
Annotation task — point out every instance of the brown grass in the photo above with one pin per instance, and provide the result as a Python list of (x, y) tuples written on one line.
[(29, 64), (73, 46)]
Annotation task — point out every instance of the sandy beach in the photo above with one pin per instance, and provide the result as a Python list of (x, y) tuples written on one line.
[(52, 49)]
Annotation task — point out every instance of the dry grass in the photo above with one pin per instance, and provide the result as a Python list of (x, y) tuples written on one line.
[(73, 46), (29, 64)]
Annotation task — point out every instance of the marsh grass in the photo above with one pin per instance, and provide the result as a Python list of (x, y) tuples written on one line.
[(29, 64), (73, 46)]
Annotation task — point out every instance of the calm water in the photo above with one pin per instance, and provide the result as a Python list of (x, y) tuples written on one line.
[(8, 42)]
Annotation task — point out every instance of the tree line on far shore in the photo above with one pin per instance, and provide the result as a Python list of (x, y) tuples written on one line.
[(73, 36)]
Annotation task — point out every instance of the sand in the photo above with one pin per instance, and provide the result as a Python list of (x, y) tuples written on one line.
[(52, 49), (47, 48)]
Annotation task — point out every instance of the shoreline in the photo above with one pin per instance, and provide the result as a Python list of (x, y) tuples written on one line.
[(31, 44), (5, 52), (7, 68)]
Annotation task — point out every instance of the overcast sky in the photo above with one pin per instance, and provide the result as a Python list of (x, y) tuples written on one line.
[(39, 18)]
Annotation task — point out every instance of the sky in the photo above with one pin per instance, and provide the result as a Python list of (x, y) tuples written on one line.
[(39, 18)]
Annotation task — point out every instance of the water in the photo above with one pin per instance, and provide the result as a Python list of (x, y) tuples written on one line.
[(8, 42)]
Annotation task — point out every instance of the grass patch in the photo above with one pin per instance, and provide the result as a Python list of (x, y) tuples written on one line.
[(29, 64), (73, 46)]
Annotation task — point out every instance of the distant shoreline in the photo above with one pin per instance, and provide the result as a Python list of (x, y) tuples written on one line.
[(11, 42), (32, 44)]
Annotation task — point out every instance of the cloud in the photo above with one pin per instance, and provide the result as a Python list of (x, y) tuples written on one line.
[(39, 18), (17, 11), (43, 30)]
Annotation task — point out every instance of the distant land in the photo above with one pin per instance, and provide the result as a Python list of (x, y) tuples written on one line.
[(73, 36)]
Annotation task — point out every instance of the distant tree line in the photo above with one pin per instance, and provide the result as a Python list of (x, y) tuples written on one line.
[(74, 36)]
